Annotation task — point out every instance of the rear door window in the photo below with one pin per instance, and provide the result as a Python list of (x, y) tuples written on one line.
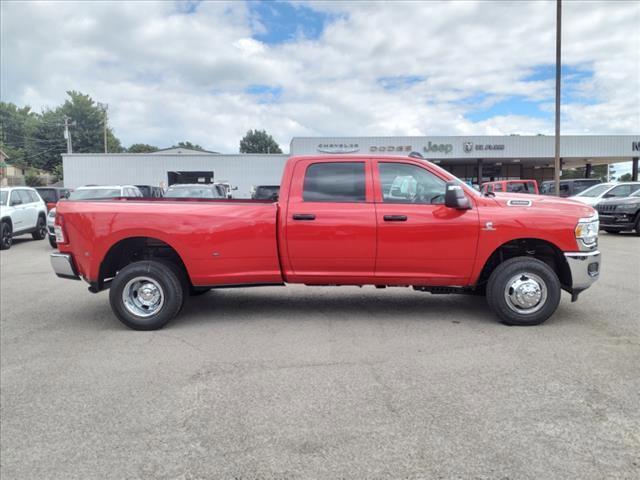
[(24, 196), (340, 182), (33, 195)]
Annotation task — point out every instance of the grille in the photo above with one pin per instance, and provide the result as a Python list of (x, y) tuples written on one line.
[(606, 208)]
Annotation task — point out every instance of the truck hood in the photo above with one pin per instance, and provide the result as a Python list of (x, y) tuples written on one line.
[(544, 202)]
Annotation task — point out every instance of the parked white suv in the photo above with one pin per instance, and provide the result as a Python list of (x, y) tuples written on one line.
[(91, 192), (22, 211)]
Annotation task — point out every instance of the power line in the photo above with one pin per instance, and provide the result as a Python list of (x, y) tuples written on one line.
[(31, 139)]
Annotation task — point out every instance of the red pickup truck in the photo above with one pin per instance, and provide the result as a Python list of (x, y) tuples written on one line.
[(339, 220)]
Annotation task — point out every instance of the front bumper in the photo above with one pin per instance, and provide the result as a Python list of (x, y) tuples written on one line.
[(63, 266), (585, 269), (618, 220)]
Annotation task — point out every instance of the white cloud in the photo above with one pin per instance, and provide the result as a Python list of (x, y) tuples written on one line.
[(169, 76)]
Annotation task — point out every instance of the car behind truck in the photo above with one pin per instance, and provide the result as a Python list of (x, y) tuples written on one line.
[(340, 220)]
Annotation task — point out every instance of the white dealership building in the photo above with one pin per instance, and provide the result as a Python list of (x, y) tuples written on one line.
[(472, 158)]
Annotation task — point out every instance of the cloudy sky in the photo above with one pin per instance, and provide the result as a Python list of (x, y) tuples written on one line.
[(209, 71)]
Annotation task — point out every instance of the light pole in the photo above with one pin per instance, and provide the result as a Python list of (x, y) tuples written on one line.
[(104, 107), (556, 175)]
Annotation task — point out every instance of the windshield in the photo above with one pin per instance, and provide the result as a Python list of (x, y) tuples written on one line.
[(635, 194), (594, 191), (3, 198), (94, 193), (192, 192)]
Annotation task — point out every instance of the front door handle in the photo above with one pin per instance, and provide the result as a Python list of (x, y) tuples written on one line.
[(395, 218), (304, 216)]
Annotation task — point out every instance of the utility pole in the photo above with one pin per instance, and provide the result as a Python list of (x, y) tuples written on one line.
[(67, 134), (556, 175), (104, 107)]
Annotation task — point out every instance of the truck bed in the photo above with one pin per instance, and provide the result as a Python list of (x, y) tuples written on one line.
[(220, 242)]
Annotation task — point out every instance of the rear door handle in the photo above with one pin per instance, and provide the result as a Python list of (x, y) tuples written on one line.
[(395, 218), (304, 216)]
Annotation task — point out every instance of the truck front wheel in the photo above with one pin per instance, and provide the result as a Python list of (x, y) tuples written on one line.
[(523, 291), (146, 295)]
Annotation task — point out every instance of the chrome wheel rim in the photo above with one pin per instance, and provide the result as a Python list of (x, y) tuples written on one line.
[(143, 296), (525, 293)]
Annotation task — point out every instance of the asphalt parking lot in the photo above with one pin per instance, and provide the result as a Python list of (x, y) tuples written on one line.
[(303, 382)]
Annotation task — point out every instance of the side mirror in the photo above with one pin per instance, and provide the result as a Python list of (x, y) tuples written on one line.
[(16, 201), (454, 197), (234, 188)]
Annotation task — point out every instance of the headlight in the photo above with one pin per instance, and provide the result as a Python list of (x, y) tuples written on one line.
[(52, 213), (628, 208), (587, 230)]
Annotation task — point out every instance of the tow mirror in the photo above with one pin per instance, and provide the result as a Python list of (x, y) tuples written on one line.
[(454, 197)]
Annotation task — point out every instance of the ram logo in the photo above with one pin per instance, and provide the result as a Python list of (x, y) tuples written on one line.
[(468, 147)]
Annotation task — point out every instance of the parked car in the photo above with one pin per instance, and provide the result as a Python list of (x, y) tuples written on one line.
[(336, 223), (511, 186), (150, 191), (265, 192), (620, 214), (595, 194), (195, 190), (91, 192), (51, 195), (568, 187), (22, 211), (228, 189)]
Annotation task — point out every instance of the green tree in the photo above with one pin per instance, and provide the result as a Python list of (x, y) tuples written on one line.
[(625, 178), (142, 148), (87, 133), (189, 145), (258, 141), (33, 180)]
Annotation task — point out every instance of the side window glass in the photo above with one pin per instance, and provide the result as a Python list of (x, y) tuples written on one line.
[(405, 183), (335, 182), (621, 191), (497, 187), (15, 198), (24, 196), (34, 196)]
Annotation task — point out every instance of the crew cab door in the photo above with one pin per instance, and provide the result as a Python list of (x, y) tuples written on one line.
[(331, 221), (20, 215), (420, 240)]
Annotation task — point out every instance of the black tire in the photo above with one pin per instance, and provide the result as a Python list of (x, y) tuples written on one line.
[(52, 241), (612, 230), (41, 229), (531, 271), (637, 227), (6, 236), (163, 278), (197, 291)]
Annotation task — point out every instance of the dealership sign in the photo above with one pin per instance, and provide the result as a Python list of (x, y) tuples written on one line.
[(469, 147), (338, 147), (390, 148), (438, 148)]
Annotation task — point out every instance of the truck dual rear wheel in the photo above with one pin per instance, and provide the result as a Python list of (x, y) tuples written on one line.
[(146, 295), (523, 291)]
